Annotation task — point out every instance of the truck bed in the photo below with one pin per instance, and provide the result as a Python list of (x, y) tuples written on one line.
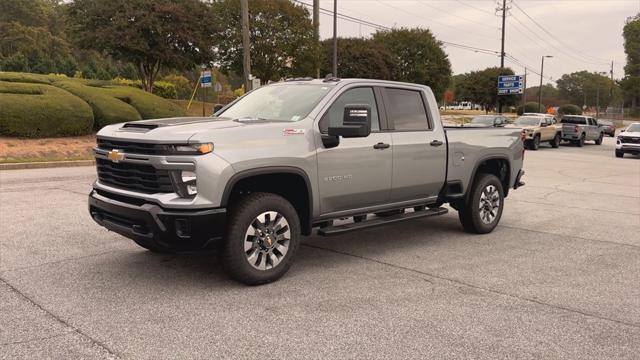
[(468, 147)]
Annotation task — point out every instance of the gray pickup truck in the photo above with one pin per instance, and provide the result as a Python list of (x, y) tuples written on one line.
[(577, 129), (337, 154)]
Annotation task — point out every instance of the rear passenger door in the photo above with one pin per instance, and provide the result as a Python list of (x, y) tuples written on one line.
[(419, 153), (594, 131)]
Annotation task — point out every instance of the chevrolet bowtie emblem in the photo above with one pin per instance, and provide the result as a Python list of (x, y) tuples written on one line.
[(115, 155)]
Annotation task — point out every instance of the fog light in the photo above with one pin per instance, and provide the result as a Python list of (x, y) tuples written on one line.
[(189, 180), (184, 182)]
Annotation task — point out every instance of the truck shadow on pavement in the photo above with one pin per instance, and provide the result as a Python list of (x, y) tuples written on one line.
[(320, 256)]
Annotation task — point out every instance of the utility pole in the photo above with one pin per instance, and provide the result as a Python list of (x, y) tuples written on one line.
[(504, 15), (541, 76), (316, 35), (524, 89), (246, 45), (335, 38)]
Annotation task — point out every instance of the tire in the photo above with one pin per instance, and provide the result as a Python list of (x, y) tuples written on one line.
[(619, 154), (251, 254), (482, 220), (599, 139), (580, 143), (535, 144), (555, 143)]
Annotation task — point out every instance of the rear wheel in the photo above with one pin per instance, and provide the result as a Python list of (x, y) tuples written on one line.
[(535, 144), (619, 154), (481, 211), (262, 239), (599, 139), (580, 143), (555, 143)]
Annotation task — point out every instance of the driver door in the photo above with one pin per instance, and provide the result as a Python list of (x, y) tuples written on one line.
[(356, 173)]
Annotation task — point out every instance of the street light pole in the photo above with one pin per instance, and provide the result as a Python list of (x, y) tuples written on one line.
[(335, 38), (598, 93), (541, 76)]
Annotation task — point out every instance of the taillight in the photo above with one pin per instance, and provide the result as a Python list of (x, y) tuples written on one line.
[(523, 136), (576, 128)]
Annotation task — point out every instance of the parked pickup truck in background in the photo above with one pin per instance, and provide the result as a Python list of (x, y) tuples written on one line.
[(578, 129), (538, 128), (628, 142), (294, 156)]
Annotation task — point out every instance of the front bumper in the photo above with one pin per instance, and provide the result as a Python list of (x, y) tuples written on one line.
[(628, 148), (154, 227)]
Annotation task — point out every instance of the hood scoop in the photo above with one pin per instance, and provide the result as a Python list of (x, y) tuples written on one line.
[(139, 127)]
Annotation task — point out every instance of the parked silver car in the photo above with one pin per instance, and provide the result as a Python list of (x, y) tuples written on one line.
[(578, 129)]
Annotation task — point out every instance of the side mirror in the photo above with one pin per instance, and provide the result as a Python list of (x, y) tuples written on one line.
[(356, 122), (622, 130), (543, 125), (217, 107)]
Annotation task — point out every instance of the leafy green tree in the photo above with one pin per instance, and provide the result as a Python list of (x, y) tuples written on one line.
[(631, 82), (358, 58), (550, 95), (584, 87), (34, 49), (281, 36), (418, 56), (152, 34), (35, 13), (481, 87)]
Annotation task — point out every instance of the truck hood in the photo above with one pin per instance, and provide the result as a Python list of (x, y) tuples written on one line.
[(168, 130), (630, 134)]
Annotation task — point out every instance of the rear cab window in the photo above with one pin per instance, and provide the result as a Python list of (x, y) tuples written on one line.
[(406, 110), (577, 120)]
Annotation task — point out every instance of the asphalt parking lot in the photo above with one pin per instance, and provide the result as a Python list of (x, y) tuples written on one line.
[(559, 278)]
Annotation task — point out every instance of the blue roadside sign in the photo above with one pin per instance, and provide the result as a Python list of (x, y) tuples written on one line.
[(510, 84), (205, 79)]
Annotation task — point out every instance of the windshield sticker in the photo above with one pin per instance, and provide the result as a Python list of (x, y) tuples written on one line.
[(288, 132)]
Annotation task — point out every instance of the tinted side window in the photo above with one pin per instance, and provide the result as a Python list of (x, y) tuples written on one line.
[(335, 114), (406, 109)]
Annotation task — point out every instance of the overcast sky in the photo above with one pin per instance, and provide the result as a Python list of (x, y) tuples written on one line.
[(591, 28)]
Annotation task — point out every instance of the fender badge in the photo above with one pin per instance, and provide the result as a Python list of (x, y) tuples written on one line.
[(115, 155), (288, 132)]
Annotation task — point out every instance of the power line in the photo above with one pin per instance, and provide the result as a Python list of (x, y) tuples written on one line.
[(551, 35), (383, 27), (448, 12)]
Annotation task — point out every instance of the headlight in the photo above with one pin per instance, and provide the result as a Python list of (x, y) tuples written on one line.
[(184, 182), (193, 149)]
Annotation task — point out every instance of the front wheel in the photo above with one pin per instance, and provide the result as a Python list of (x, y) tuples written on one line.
[(619, 154), (482, 210), (263, 236), (555, 143)]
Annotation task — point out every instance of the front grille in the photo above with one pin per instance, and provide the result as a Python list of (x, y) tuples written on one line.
[(630, 140), (133, 147), (134, 177)]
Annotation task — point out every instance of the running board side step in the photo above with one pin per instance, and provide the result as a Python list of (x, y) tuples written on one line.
[(377, 221)]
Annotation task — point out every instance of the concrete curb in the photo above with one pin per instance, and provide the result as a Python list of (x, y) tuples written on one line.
[(46, 164)]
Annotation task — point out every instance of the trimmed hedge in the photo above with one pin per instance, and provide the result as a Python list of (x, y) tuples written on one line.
[(569, 109), (40, 110), (531, 107), (106, 108), (148, 105)]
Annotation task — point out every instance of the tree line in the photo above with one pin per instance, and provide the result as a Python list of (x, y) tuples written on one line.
[(143, 39)]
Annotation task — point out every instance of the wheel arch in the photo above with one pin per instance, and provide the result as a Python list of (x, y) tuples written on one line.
[(497, 165), (290, 182)]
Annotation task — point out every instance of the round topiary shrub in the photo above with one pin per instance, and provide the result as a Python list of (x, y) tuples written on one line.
[(39, 110), (569, 109), (531, 107)]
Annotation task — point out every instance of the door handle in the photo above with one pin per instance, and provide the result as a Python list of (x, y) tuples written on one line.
[(381, 145), (436, 143)]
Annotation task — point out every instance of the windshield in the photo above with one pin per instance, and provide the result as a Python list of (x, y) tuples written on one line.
[(634, 128), (528, 121), (573, 120), (486, 120), (282, 102)]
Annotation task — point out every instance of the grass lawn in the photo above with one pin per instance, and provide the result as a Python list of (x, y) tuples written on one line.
[(14, 150), (196, 107)]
